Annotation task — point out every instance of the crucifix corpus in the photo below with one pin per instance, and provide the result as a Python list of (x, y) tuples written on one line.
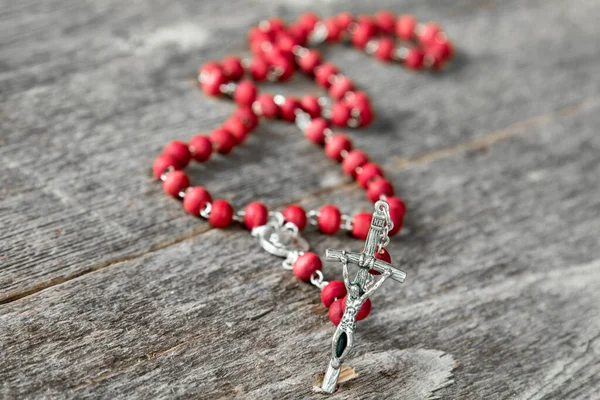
[(361, 288)]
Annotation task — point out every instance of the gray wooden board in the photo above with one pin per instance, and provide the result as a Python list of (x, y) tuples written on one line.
[(110, 290)]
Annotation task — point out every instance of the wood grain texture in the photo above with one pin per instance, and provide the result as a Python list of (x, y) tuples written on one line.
[(109, 289)]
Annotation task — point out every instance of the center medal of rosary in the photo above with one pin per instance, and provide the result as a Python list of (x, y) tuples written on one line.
[(278, 50)]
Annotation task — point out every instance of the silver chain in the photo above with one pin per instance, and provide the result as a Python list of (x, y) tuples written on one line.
[(384, 239), (316, 278), (313, 217), (347, 222), (288, 263), (205, 212), (239, 216), (163, 176)]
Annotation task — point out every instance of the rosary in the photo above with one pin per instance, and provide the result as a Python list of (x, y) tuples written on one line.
[(278, 50)]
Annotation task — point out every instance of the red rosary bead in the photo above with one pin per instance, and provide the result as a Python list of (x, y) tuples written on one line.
[(405, 27), (383, 255), (439, 52), (366, 114), (211, 80), (340, 113), (175, 182), (310, 104), (414, 59), (365, 31), (256, 214), (309, 60), (397, 212), (344, 19), (385, 21), (201, 148), (195, 199), (299, 33), (233, 68), (396, 205), (332, 291), (224, 140), (221, 214), (296, 215), (245, 93), (247, 116), (267, 105), (428, 33), (324, 73), (284, 68), (385, 49), (367, 172), (379, 187), (308, 20), (276, 25), (361, 223), (287, 42), (398, 220), (340, 87), (306, 265), (334, 30), (315, 131), (236, 127), (336, 144), (179, 151), (162, 163), (209, 66), (288, 108), (259, 68), (356, 99), (329, 219), (354, 159), (336, 311)]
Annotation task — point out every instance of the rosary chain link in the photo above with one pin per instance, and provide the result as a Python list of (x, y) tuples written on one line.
[(163, 176), (239, 216), (384, 239), (347, 222), (313, 217), (205, 212), (288, 263), (317, 279)]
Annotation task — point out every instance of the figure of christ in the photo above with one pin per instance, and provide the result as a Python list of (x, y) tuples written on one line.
[(357, 295)]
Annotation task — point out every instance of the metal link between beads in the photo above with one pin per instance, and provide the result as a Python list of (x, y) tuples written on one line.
[(205, 212), (313, 217), (346, 222), (384, 239), (288, 263), (316, 278), (163, 176), (318, 34), (239, 216)]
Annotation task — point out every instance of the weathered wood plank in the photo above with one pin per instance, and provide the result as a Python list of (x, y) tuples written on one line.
[(502, 267), (84, 84), (112, 290)]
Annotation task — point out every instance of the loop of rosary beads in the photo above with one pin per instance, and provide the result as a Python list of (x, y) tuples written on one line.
[(278, 51)]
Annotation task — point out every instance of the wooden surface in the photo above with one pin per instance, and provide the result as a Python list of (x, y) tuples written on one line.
[(109, 290)]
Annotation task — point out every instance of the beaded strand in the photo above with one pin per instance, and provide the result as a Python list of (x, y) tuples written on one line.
[(278, 51)]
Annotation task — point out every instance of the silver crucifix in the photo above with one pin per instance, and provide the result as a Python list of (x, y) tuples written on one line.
[(361, 288)]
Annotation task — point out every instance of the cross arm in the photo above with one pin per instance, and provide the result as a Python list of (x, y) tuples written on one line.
[(378, 265)]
